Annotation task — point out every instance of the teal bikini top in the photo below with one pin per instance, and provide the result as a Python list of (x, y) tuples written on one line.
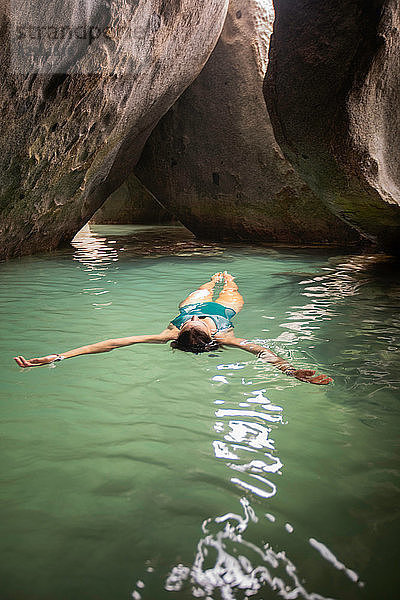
[(221, 315)]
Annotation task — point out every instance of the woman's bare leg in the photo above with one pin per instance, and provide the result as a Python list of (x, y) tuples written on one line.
[(204, 293), (230, 295)]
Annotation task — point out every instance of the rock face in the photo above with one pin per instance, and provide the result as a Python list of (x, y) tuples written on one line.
[(132, 203), (213, 159), (333, 95), (83, 83)]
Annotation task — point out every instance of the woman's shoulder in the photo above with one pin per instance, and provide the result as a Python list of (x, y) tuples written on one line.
[(224, 336)]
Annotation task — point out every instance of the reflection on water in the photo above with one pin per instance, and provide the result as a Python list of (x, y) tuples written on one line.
[(325, 293), (94, 252), (144, 241), (248, 433), (225, 562), (361, 296), (288, 480)]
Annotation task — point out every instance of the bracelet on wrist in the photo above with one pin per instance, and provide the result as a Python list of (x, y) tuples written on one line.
[(289, 371), (58, 358)]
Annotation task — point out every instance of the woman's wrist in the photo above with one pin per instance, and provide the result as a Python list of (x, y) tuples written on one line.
[(287, 368), (278, 362), (58, 358)]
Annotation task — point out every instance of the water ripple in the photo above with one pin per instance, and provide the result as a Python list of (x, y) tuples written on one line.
[(233, 567)]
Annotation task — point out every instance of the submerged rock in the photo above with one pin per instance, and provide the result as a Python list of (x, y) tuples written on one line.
[(333, 95), (82, 84), (213, 159)]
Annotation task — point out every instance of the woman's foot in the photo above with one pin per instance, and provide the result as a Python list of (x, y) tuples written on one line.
[(227, 277), (217, 277)]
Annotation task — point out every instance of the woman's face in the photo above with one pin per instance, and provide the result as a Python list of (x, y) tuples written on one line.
[(197, 323)]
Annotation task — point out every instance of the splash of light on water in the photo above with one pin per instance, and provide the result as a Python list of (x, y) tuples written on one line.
[(330, 557), (227, 564)]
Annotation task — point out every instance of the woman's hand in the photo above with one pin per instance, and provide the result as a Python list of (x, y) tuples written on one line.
[(35, 362), (309, 376)]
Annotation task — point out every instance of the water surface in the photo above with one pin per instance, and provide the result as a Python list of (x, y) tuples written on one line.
[(152, 473)]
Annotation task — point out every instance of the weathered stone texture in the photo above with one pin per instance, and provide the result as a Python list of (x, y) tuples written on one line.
[(72, 131), (132, 203), (333, 95), (213, 159)]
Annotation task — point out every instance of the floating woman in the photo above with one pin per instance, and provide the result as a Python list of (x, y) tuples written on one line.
[(201, 326)]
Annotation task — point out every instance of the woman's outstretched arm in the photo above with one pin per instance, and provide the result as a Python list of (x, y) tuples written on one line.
[(306, 375), (105, 346)]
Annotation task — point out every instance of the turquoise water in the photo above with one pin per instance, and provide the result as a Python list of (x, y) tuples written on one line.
[(152, 473)]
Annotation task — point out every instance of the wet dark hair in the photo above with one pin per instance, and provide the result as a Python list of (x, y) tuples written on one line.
[(194, 340)]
